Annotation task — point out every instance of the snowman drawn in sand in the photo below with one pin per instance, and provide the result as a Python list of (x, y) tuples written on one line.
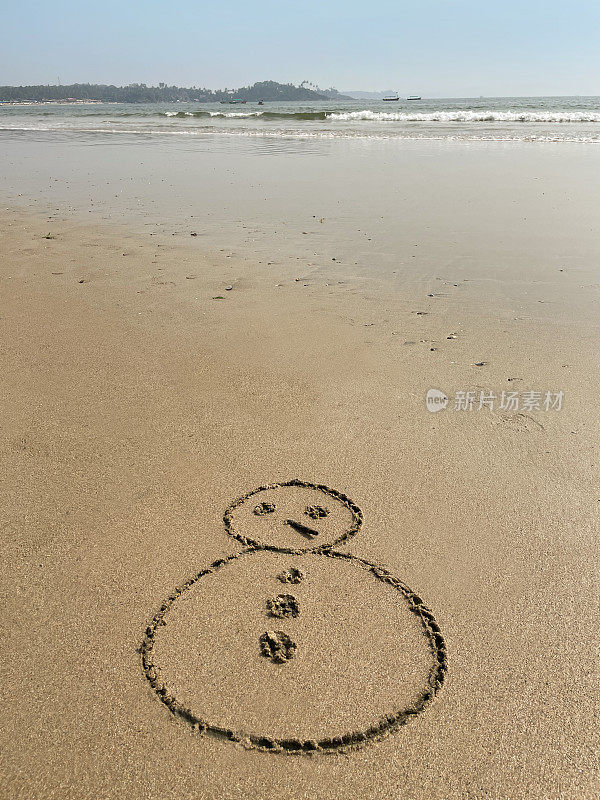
[(289, 645)]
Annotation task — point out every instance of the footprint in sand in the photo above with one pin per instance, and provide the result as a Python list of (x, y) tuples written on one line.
[(291, 646)]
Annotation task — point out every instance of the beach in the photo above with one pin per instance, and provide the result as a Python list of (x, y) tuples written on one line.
[(185, 320)]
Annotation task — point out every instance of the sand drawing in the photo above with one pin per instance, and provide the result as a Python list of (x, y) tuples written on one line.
[(284, 605), (291, 575), (341, 654), (277, 646)]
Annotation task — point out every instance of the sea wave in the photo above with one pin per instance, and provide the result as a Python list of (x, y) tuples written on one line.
[(369, 115), (184, 114), (466, 116), (339, 116), (298, 115)]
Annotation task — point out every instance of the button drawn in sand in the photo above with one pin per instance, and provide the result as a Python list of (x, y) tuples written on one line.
[(277, 646), (291, 575), (364, 638), (284, 605)]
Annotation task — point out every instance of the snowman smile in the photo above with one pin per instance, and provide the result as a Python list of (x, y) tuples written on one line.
[(303, 529)]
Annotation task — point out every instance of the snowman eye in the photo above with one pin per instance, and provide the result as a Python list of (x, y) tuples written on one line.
[(264, 508), (316, 512)]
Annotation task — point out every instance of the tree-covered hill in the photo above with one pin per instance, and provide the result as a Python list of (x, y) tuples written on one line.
[(140, 93)]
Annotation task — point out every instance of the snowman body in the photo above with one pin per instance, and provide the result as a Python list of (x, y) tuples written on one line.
[(294, 649)]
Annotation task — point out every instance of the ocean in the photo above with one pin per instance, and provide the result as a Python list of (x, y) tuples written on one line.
[(552, 119), (354, 190)]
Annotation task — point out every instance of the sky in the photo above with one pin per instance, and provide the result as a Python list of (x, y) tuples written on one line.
[(435, 48)]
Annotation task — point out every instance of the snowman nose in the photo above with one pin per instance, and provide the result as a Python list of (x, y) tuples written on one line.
[(303, 529)]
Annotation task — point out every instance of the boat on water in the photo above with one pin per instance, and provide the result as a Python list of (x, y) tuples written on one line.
[(413, 97), (390, 98)]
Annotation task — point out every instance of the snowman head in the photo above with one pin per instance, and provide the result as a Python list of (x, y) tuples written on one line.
[(294, 516)]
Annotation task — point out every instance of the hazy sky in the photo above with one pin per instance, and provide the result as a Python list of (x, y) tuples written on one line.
[(431, 47)]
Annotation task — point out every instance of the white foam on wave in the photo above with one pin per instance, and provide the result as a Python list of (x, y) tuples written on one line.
[(466, 116), (213, 113)]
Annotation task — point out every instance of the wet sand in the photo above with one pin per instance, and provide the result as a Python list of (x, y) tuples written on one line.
[(137, 407)]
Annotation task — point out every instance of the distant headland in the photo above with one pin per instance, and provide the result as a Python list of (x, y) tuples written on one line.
[(140, 93)]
